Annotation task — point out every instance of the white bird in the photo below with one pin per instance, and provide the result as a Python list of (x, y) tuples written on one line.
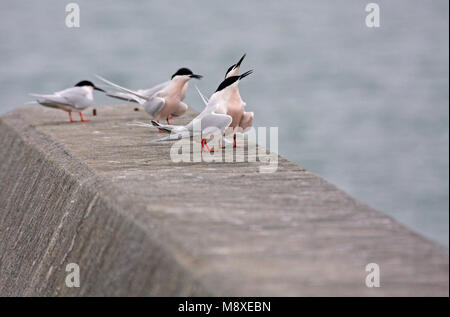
[(162, 102), (235, 106), (210, 120), (74, 99)]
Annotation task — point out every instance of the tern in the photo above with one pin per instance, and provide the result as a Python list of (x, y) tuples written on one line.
[(211, 120), (235, 106), (74, 99), (162, 102)]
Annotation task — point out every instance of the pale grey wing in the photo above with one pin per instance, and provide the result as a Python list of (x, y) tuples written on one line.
[(77, 97), (154, 105), (209, 123), (143, 92), (135, 93), (73, 97), (124, 96), (51, 98), (52, 101), (214, 121), (151, 91)]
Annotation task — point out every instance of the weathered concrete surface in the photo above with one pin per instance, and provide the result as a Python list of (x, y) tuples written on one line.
[(99, 195)]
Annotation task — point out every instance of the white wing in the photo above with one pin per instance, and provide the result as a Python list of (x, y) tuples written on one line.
[(122, 88), (124, 96), (214, 122), (208, 120), (73, 97), (153, 105), (151, 91), (143, 92)]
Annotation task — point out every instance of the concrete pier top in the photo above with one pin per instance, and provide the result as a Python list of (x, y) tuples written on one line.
[(99, 195)]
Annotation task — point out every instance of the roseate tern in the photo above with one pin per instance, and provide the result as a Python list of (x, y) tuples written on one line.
[(235, 106), (164, 101), (211, 120), (74, 99)]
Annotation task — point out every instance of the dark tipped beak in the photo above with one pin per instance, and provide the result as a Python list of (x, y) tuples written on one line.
[(240, 61), (99, 89), (196, 76), (246, 74)]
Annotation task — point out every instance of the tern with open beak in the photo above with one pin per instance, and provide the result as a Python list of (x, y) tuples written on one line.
[(162, 102), (235, 106), (74, 99)]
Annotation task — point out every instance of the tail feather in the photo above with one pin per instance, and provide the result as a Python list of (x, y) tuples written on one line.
[(38, 95), (122, 96), (140, 124), (135, 93), (172, 137), (154, 124), (165, 127)]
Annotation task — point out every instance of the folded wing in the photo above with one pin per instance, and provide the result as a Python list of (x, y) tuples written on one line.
[(72, 97)]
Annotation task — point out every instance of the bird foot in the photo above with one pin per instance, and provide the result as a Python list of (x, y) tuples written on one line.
[(205, 147), (82, 119), (70, 118)]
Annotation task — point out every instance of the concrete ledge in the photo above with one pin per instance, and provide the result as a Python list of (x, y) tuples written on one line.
[(97, 194)]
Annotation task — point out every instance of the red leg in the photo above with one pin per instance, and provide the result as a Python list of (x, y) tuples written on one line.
[(221, 146), (167, 119), (81, 117), (205, 147), (70, 117), (234, 139)]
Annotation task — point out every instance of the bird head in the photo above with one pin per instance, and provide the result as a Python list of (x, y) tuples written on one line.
[(233, 70), (185, 73), (226, 87)]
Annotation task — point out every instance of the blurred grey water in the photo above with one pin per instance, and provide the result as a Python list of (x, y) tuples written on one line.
[(367, 109)]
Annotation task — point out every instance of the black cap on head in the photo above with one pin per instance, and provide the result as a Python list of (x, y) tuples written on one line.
[(88, 83), (85, 83), (186, 71), (230, 80)]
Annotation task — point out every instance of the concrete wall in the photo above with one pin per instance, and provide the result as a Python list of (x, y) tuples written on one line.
[(99, 195)]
